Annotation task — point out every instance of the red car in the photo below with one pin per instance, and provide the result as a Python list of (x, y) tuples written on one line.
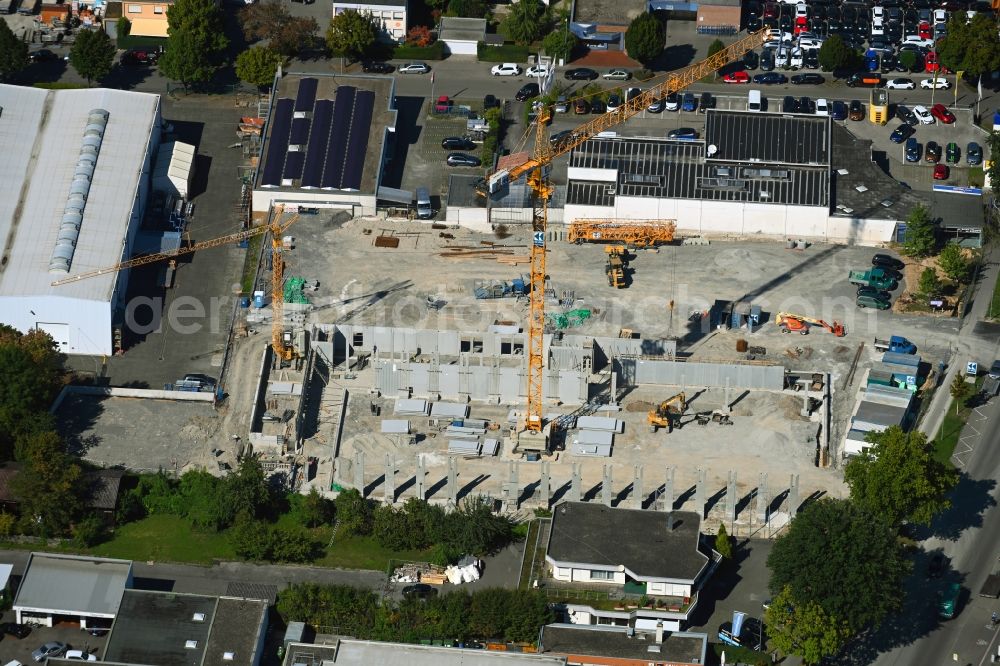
[(941, 172), (941, 112), (736, 77), (801, 25), (931, 63), (443, 104), (924, 30)]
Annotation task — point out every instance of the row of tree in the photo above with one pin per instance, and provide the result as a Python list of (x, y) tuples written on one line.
[(838, 570), (488, 614)]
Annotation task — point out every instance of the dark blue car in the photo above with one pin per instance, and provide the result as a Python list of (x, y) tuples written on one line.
[(901, 133), (769, 78), (689, 103), (838, 110)]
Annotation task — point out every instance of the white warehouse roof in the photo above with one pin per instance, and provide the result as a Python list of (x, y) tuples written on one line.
[(44, 136)]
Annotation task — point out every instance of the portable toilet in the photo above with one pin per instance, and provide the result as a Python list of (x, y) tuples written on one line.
[(258, 299)]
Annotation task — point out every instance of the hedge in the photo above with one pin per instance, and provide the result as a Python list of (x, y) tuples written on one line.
[(433, 52), (59, 85), (139, 41), (505, 53)]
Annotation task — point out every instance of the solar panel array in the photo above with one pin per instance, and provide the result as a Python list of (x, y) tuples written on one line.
[(319, 143)]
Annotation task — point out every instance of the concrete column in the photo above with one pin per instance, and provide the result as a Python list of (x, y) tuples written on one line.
[(390, 479), (637, 494), (614, 381), (606, 486), (729, 396), (453, 481), (699, 493), (668, 490), (762, 499), (338, 470), (545, 486), (421, 479), (731, 497), (575, 485), (359, 471), (793, 496), (511, 489)]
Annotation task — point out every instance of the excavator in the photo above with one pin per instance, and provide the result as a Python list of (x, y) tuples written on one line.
[(793, 323), (664, 415)]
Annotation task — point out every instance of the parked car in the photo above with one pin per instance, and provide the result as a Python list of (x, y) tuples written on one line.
[(901, 133), (838, 110), (672, 102), (736, 77), (457, 143), (912, 150), (377, 68), (16, 630), (581, 106), (941, 172), (42, 55), (79, 655), (806, 105), (463, 160), (808, 79), (770, 78), (614, 103), (951, 153), (873, 292), (941, 112), (683, 133), (856, 110), (689, 103), (873, 302), (899, 84), (995, 370), (973, 154), (656, 106), (537, 71), (47, 650), (789, 104), (618, 75), (932, 152), (935, 84), (133, 57), (561, 105), (887, 261), (527, 91), (706, 102), (419, 591), (632, 93), (822, 107), (505, 69), (935, 565), (923, 115), (581, 74), (905, 115), (751, 60), (413, 68)]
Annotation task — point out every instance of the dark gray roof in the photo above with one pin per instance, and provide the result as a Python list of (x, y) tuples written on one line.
[(250, 590), (957, 211), (104, 488), (865, 191), (309, 654), (601, 641), (678, 169), (154, 627), (769, 138), (590, 533)]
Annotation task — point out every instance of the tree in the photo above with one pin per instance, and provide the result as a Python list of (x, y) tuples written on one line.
[(419, 35), (204, 501), (723, 544), (524, 22), (474, 528), (804, 629), (645, 38), (258, 65), (195, 41), (971, 47), (929, 283), (993, 173), (124, 28), (246, 489), (88, 532), (921, 233), (13, 52), (834, 54), (352, 33), (560, 43), (49, 486), (354, 513), (960, 390), (316, 509), (92, 54), (953, 263), (467, 8), (31, 375), (715, 47), (843, 559), (908, 59), (286, 34), (899, 479)]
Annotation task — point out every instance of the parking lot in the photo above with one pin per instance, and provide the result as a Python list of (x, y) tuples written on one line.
[(15, 649)]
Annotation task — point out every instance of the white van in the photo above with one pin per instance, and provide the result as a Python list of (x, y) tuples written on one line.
[(754, 101), (424, 210)]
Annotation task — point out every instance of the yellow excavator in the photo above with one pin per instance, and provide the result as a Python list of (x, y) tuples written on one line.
[(664, 415)]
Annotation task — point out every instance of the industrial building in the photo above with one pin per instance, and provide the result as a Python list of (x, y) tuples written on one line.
[(58, 588), (75, 182), (326, 139), (350, 652), (174, 629), (622, 646)]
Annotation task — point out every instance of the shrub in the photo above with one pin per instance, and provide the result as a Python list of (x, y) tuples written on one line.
[(88, 532), (434, 51), (503, 53)]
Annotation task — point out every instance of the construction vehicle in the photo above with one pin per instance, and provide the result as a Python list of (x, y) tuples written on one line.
[(531, 437), (897, 344), (793, 323), (615, 270), (280, 339), (665, 414), (633, 233), (873, 277)]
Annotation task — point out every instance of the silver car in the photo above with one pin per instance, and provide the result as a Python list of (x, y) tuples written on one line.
[(414, 68), (50, 649), (618, 75)]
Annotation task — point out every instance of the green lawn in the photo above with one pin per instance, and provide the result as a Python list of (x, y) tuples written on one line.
[(994, 310), (365, 553), (951, 430), (165, 538)]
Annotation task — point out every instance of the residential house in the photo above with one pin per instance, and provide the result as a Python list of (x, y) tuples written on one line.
[(103, 490), (622, 646), (636, 556), (392, 14), (148, 17)]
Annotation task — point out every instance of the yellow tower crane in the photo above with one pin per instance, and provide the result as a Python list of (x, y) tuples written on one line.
[(274, 226), (541, 189)]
